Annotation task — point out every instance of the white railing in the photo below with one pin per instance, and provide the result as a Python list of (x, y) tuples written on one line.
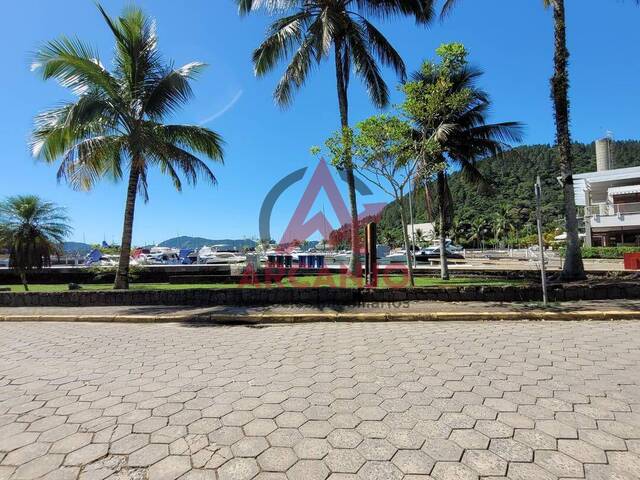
[(613, 209)]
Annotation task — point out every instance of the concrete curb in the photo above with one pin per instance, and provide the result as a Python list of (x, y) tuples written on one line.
[(278, 318)]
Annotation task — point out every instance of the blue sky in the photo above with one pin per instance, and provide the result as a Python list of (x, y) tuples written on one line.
[(511, 40)]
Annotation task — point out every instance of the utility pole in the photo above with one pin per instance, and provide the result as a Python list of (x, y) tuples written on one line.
[(543, 273)]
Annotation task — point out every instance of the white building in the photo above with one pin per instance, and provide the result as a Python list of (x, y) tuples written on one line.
[(421, 232), (611, 201)]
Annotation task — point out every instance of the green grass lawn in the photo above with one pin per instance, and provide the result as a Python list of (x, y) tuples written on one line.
[(305, 281)]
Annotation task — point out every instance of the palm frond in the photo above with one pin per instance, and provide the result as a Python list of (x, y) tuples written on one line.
[(86, 162), (172, 90), (172, 159), (504, 132), (448, 7), (284, 35), (421, 10), (247, 6), (75, 65), (473, 176), (138, 61), (197, 139), (57, 130), (296, 73), (384, 50), (366, 67)]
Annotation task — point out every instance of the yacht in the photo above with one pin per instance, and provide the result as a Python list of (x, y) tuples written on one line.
[(107, 261), (156, 256), (170, 258), (219, 254), (397, 256), (343, 256)]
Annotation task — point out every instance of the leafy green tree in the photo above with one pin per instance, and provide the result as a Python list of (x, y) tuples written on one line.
[(573, 268), (32, 230), (449, 114), (383, 153), (113, 127), (311, 30)]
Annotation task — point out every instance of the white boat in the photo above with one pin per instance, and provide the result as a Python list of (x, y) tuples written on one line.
[(218, 255), (108, 261), (397, 256), (343, 256), (169, 258), (164, 250)]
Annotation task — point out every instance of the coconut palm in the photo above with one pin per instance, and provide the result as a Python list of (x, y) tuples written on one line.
[(458, 231), (32, 230), (113, 127), (502, 224), (478, 228), (309, 31), (455, 130), (573, 268)]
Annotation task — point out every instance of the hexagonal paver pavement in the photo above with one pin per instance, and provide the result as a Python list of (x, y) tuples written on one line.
[(442, 401)]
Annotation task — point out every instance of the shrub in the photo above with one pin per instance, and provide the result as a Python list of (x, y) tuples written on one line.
[(605, 252)]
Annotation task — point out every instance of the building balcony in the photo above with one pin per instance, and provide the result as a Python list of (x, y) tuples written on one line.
[(614, 215)]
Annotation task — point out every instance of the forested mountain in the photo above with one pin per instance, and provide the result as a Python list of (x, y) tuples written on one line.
[(510, 205), (195, 243)]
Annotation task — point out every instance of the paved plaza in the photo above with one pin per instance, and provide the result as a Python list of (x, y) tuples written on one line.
[(442, 400)]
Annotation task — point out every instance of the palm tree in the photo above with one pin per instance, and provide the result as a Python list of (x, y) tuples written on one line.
[(32, 230), (458, 230), (458, 126), (308, 33), (477, 230), (573, 268), (502, 224), (114, 125)]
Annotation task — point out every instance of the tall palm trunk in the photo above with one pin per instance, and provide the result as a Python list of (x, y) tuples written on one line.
[(444, 266), (573, 267), (343, 102), (122, 275)]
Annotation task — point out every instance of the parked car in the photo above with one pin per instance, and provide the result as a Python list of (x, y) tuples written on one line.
[(433, 253)]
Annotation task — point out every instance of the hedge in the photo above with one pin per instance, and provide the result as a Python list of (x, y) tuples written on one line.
[(607, 252)]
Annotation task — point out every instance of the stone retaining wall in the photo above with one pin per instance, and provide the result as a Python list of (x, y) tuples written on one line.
[(318, 296), (147, 274)]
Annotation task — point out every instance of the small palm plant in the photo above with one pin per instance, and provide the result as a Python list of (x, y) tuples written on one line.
[(114, 126), (32, 230)]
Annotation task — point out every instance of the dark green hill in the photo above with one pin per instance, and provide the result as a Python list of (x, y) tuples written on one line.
[(513, 175), (76, 247)]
